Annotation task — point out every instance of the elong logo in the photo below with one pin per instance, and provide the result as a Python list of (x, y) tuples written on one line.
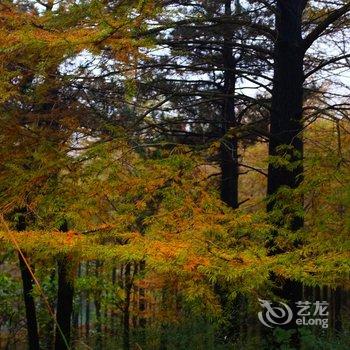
[(309, 314)]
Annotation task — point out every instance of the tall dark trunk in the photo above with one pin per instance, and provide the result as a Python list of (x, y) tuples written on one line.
[(229, 145), (286, 127), (142, 299), (287, 102), (28, 283), (338, 325), (98, 309), (113, 314), (126, 308), (64, 301), (87, 306), (229, 170)]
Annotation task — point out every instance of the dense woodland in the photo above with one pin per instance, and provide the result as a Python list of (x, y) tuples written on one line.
[(165, 164)]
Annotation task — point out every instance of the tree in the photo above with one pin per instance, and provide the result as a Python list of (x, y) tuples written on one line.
[(286, 118), (36, 127), (28, 283), (199, 74), (116, 120)]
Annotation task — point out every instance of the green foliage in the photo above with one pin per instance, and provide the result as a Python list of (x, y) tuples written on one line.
[(130, 205), (11, 308)]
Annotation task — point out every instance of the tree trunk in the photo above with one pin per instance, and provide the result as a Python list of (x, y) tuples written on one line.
[(229, 170), (87, 305), (287, 102), (338, 326), (229, 145), (126, 309), (28, 283), (286, 128), (98, 309), (64, 301), (142, 299)]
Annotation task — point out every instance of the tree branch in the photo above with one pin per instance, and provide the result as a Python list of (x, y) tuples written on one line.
[(330, 19), (326, 63)]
